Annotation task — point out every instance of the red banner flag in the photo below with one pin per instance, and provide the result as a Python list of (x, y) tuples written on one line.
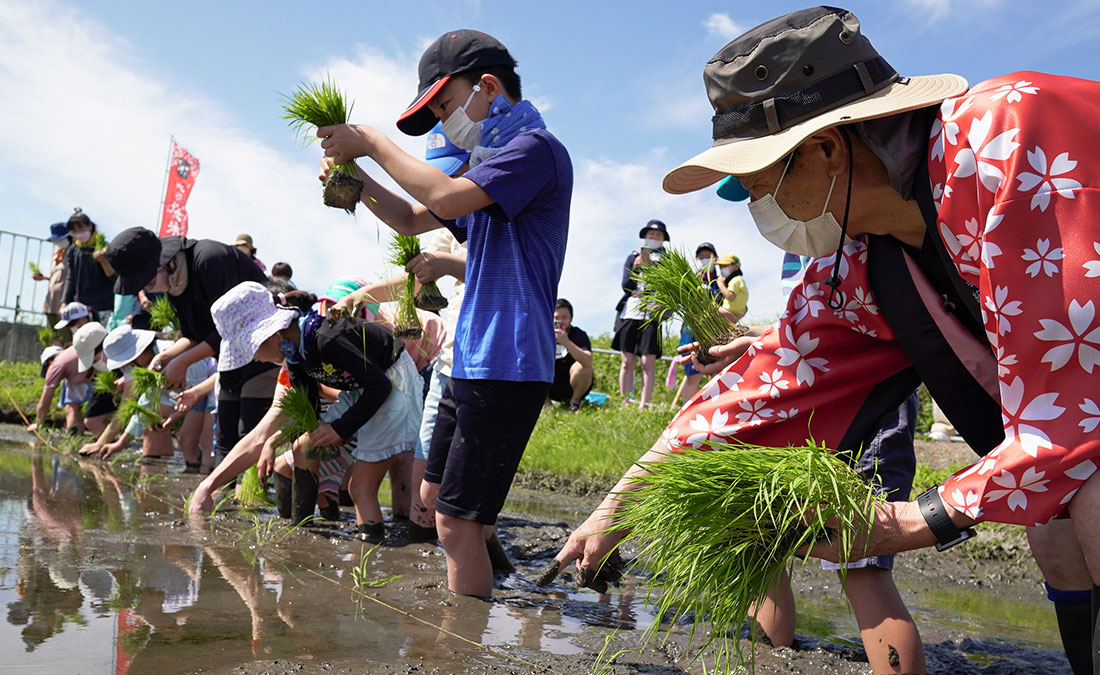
[(183, 169)]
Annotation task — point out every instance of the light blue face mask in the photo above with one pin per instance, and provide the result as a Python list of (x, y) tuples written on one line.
[(289, 350)]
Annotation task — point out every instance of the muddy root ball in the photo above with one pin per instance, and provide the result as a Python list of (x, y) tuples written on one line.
[(432, 302), (408, 333), (342, 191)]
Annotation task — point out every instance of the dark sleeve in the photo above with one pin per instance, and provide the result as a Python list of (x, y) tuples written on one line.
[(629, 285), (70, 278), (522, 170), (582, 341), (345, 350), (216, 269)]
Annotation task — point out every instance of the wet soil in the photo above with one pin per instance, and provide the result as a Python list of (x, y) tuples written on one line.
[(102, 571)]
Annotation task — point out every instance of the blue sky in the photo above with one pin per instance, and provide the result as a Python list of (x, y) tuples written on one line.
[(93, 90)]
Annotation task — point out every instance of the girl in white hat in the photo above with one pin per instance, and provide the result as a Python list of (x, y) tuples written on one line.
[(379, 399)]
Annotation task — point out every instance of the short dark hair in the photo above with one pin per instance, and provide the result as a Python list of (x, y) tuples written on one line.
[(507, 75), (564, 304), (282, 269)]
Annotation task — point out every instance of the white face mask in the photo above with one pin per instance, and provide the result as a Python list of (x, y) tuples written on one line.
[(462, 131), (82, 236), (727, 270), (653, 243), (816, 237), (705, 263)]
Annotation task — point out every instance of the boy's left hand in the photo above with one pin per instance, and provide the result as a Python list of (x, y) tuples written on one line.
[(345, 142)]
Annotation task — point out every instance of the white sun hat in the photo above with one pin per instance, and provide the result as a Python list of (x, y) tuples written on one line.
[(246, 316)]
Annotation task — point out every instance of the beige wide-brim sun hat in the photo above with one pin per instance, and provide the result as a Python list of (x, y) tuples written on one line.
[(744, 156)]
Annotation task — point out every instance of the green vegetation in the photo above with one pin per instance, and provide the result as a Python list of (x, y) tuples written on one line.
[(130, 407), (99, 242), (46, 335), (300, 418), (161, 315), (250, 491), (716, 528), (406, 322), (312, 106), (35, 270), (104, 382), (672, 284), (20, 389)]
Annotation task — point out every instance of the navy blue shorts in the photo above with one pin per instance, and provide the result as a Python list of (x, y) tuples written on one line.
[(481, 431)]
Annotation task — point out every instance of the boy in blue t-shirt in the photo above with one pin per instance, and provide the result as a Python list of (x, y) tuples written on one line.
[(512, 209)]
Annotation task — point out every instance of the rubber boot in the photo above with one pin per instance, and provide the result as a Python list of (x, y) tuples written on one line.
[(372, 533), (1074, 612), (1095, 637), (282, 494), (329, 505), (345, 498), (498, 557), (303, 495)]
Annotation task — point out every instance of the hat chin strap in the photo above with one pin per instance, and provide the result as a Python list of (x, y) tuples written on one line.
[(836, 296)]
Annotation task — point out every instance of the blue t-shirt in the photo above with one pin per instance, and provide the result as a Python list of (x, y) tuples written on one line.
[(515, 251)]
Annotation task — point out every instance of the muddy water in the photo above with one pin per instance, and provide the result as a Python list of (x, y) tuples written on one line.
[(101, 572)]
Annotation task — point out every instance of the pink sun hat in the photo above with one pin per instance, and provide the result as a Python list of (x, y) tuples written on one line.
[(246, 316)]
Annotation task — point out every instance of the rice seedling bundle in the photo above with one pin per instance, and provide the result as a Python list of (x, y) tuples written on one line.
[(429, 297), (104, 383), (670, 283), (46, 335), (130, 407), (99, 242), (146, 382), (161, 315), (406, 322), (300, 417), (250, 491), (35, 270), (310, 107), (718, 526)]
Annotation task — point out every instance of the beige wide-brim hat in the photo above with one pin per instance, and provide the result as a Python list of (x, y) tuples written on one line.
[(769, 89)]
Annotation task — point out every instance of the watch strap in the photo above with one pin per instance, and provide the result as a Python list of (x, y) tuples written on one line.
[(935, 515)]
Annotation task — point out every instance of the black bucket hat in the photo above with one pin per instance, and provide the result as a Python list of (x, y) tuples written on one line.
[(654, 225), (452, 53), (135, 255), (789, 78)]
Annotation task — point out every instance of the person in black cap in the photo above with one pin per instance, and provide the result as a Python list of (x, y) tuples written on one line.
[(194, 273), (635, 334), (512, 206)]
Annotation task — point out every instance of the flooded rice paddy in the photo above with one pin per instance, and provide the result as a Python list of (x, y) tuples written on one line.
[(101, 571)]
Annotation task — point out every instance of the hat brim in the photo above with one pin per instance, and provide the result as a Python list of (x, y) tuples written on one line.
[(448, 165), (744, 156), (135, 281), (239, 352), (144, 339), (417, 119)]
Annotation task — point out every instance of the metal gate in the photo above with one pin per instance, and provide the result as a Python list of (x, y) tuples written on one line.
[(22, 297)]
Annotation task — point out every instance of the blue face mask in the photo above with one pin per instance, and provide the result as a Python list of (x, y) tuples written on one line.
[(289, 350)]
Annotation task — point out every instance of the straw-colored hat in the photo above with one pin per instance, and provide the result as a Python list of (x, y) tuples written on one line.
[(789, 78)]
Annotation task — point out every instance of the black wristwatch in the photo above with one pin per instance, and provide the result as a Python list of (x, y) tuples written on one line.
[(935, 514)]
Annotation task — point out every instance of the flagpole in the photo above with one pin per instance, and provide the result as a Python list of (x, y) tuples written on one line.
[(164, 187)]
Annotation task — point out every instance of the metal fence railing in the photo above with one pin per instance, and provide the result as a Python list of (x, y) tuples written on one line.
[(21, 297)]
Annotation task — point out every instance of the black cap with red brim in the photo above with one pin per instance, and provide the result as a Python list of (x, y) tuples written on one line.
[(452, 53)]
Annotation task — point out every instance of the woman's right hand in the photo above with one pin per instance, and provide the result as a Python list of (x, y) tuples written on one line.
[(266, 464), (326, 165), (589, 545), (186, 400), (724, 354)]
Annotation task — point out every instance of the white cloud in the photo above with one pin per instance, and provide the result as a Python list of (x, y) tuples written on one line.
[(87, 123), (723, 26), (934, 10)]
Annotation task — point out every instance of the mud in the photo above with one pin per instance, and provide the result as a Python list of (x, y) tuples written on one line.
[(101, 571)]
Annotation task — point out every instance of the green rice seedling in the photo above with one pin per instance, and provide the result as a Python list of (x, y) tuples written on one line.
[(145, 382), (104, 383), (402, 250), (300, 417), (130, 407), (47, 335), (35, 270), (310, 107), (162, 317), (407, 323), (717, 527), (670, 283), (250, 491), (99, 242)]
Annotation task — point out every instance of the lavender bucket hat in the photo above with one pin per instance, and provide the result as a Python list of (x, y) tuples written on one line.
[(246, 316)]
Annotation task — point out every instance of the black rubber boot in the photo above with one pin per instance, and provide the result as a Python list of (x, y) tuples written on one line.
[(372, 533), (303, 495), (420, 535), (498, 557), (1095, 637), (282, 494), (1074, 625), (329, 506), (345, 498)]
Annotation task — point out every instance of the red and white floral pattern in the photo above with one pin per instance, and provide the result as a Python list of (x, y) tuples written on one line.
[(1015, 169)]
